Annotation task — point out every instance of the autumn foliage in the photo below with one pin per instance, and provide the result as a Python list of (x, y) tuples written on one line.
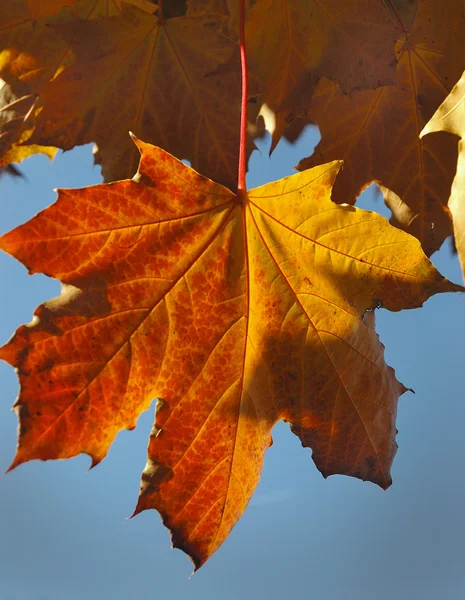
[(234, 309)]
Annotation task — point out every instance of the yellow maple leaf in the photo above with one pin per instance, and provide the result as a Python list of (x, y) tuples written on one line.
[(450, 117)]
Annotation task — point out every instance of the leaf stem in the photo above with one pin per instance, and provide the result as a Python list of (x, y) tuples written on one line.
[(241, 185)]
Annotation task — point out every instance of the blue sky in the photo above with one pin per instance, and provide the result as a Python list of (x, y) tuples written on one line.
[(63, 529)]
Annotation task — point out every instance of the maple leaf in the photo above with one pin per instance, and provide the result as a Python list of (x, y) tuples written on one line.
[(173, 81), (376, 133), (31, 53), (450, 117), (235, 310), (292, 44), (31, 49)]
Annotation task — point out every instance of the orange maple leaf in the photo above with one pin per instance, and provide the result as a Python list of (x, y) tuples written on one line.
[(236, 311)]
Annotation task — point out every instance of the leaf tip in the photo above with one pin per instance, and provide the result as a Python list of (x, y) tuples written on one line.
[(406, 389), (426, 129), (136, 140), (94, 462), (139, 143), (386, 484), (455, 287), (177, 540), (135, 512), (434, 125), (197, 561), (17, 461)]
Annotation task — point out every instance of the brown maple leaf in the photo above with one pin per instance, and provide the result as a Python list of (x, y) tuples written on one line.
[(31, 48), (292, 44), (376, 133), (236, 311), (31, 53), (450, 117), (174, 81)]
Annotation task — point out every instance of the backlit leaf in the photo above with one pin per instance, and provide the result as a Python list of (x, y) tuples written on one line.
[(235, 311), (32, 50), (376, 133), (31, 53), (450, 117), (174, 81), (292, 44), (16, 125)]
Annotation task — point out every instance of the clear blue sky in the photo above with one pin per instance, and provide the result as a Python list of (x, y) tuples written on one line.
[(63, 533)]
